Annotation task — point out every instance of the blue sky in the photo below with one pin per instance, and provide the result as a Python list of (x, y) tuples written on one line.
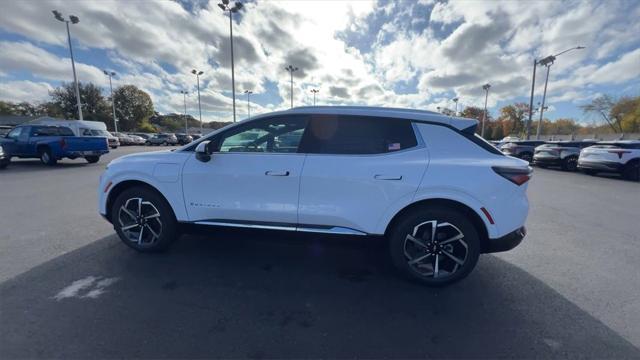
[(416, 54)]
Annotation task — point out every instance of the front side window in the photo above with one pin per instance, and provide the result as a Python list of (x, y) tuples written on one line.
[(275, 135), (15, 133), (328, 134)]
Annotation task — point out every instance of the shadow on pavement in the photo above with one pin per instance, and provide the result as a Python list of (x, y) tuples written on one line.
[(265, 295)]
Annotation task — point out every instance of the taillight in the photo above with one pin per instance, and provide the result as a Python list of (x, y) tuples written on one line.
[(517, 176), (619, 152)]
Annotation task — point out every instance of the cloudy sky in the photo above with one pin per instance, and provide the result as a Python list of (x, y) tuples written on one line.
[(417, 54)]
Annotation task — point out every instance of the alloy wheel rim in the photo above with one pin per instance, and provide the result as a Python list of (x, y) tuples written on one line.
[(140, 221), (435, 249), (45, 157)]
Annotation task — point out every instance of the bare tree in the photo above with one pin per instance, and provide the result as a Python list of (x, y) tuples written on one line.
[(602, 106)]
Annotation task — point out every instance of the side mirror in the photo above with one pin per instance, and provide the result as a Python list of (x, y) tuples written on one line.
[(202, 151)]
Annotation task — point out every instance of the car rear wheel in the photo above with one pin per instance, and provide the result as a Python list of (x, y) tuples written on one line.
[(144, 220), (570, 163), (631, 170), (436, 247), (46, 157)]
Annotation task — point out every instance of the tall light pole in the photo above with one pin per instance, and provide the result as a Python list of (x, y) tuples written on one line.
[(74, 20), (248, 92), (197, 74), (455, 100), (224, 5), (546, 61), (184, 98), (314, 91), (486, 88), (291, 70), (113, 103)]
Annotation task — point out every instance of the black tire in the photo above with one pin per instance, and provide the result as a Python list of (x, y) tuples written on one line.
[(92, 159), (164, 225), (418, 224), (631, 170), (46, 157), (526, 156), (570, 163)]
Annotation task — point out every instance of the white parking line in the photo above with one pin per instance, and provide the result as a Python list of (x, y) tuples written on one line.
[(90, 287)]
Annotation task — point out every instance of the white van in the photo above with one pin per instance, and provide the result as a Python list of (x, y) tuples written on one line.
[(82, 128)]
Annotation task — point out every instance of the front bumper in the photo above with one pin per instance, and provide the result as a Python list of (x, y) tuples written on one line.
[(600, 165), (505, 243)]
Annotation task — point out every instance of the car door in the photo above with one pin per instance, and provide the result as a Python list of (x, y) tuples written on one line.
[(10, 144), (356, 169), (252, 178)]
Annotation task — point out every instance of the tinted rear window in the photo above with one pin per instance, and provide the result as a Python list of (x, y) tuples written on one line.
[(328, 134)]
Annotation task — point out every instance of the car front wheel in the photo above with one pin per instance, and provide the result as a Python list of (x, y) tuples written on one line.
[(144, 220), (436, 247)]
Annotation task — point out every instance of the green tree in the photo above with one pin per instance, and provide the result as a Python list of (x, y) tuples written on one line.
[(133, 107), (627, 113), (94, 106)]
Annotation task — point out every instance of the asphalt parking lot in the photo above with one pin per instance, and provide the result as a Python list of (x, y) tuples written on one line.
[(69, 289)]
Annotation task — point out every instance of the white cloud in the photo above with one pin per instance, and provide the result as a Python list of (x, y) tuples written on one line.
[(24, 90)]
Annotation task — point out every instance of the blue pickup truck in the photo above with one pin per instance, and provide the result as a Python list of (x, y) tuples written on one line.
[(52, 143)]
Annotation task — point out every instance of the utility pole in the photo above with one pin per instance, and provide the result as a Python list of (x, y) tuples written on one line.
[(248, 92), (197, 74), (184, 98), (314, 91), (291, 70), (486, 88), (455, 100), (74, 20)]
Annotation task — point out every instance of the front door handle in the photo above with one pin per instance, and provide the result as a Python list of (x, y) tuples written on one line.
[(277, 173), (388, 177)]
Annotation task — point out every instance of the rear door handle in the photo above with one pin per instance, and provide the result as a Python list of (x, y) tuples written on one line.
[(388, 177), (277, 173)]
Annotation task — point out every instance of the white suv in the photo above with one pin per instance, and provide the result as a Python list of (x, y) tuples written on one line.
[(621, 156), (438, 192)]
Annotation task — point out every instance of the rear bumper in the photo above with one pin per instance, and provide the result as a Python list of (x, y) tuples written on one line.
[(85, 153), (600, 165), (505, 243), (549, 161)]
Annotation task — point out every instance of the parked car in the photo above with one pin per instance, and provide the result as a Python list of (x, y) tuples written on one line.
[(355, 171), (163, 139), (4, 158), (622, 156), (196, 136), (522, 149), (84, 128), (560, 153), (123, 138), (137, 140), (52, 143), (184, 139)]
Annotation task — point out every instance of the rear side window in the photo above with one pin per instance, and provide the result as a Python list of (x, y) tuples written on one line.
[(52, 131), (352, 135)]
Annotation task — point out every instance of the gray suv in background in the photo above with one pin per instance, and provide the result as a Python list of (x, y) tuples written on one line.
[(522, 149), (163, 139), (563, 154)]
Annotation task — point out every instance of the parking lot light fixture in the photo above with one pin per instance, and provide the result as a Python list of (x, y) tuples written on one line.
[(248, 92), (486, 88), (74, 20), (455, 100), (113, 104), (184, 97), (197, 74), (291, 69), (548, 61), (237, 6), (314, 91)]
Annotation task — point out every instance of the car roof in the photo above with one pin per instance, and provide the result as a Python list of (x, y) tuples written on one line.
[(411, 114)]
